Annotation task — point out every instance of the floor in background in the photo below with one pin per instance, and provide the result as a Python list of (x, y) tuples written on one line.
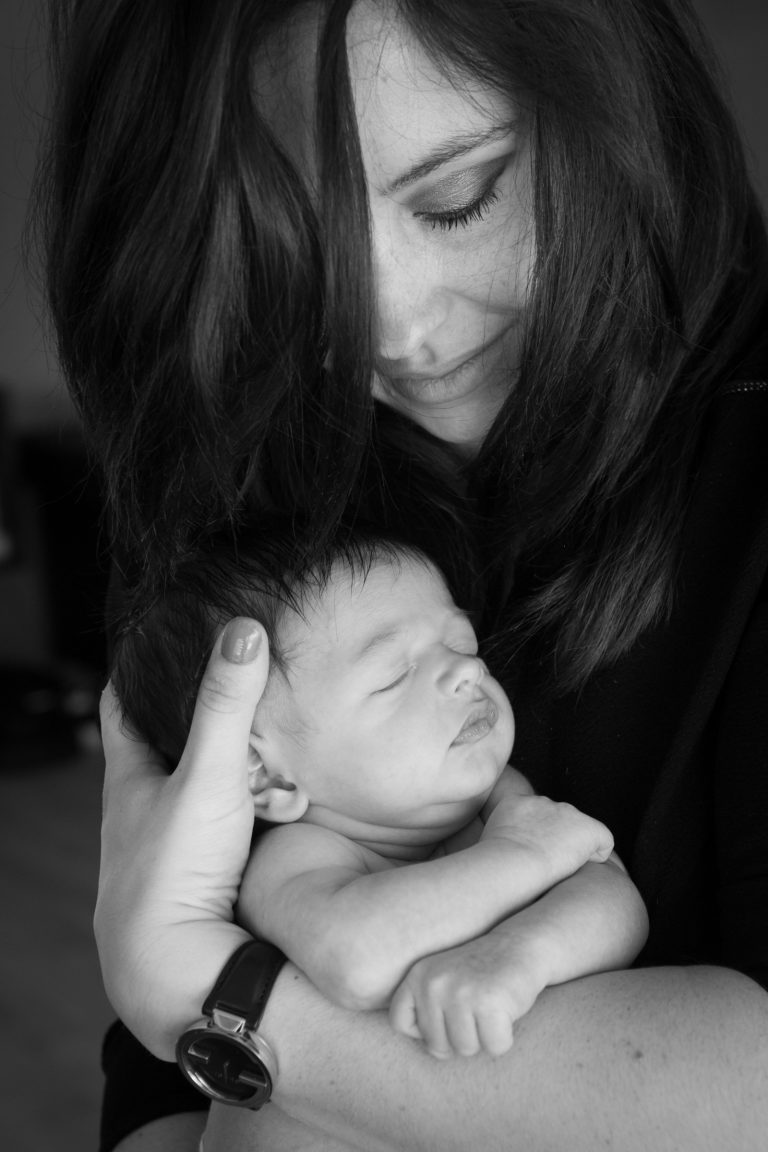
[(52, 1008)]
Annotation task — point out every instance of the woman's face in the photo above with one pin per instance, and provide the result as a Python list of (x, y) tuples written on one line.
[(448, 176)]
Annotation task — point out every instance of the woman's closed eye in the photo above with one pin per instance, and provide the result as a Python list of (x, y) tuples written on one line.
[(461, 217), (462, 198)]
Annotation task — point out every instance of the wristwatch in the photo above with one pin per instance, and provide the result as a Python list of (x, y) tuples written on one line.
[(223, 1055)]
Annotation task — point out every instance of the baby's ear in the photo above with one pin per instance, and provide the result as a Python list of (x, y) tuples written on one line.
[(275, 799)]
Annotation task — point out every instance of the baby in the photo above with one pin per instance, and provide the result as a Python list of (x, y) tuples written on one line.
[(405, 865)]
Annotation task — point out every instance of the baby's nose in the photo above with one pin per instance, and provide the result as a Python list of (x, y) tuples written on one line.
[(464, 672)]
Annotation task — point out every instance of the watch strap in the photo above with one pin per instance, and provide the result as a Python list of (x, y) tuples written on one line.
[(245, 982)]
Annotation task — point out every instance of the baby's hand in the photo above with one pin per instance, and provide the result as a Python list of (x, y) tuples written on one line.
[(467, 1000), (554, 834)]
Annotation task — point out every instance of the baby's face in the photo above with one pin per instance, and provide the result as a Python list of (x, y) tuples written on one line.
[(388, 717)]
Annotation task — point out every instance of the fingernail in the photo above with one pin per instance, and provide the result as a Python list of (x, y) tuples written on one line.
[(241, 641)]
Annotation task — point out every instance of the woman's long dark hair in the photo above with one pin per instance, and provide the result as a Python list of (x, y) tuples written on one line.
[(208, 333), (215, 322)]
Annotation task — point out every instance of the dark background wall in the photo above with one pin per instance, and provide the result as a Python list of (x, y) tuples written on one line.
[(52, 1009)]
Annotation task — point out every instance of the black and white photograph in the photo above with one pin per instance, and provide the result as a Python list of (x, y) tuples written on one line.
[(384, 575)]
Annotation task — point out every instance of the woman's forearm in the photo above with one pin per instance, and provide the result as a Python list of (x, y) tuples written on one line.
[(270, 1130), (666, 1058)]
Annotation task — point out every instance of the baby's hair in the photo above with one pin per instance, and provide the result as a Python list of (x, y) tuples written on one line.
[(162, 647)]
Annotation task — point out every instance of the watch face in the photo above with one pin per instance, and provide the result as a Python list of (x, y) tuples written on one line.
[(224, 1067)]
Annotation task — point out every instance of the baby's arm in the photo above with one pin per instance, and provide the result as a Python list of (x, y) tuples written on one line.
[(467, 999), (356, 925)]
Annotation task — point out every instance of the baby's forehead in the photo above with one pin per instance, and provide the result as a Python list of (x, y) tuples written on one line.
[(319, 639), (335, 613)]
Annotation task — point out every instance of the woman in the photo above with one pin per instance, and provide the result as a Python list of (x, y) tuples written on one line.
[(498, 280)]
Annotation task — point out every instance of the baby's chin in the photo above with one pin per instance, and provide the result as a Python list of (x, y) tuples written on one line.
[(483, 761)]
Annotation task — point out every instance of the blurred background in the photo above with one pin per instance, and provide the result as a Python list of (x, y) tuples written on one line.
[(52, 581)]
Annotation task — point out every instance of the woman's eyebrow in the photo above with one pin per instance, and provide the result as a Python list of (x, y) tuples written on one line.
[(449, 149)]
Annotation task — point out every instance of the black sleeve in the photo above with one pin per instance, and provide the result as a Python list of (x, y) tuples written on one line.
[(741, 805), (139, 1088)]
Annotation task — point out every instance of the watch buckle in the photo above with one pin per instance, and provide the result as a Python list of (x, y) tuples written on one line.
[(228, 1022)]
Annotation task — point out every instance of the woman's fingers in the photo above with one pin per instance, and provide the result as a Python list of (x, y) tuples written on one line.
[(213, 798), (133, 779), (174, 846), (232, 685)]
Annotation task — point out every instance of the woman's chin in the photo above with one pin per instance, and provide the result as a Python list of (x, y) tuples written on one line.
[(463, 424)]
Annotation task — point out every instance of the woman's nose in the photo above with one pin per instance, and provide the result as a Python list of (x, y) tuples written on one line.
[(410, 306), (462, 673)]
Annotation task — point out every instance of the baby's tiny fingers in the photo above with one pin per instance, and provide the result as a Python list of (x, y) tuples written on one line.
[(605, 847), (461, 1028), (496, 1033), (402, 1014), (431, 1024)]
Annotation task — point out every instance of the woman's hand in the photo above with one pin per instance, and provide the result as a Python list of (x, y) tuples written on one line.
[(174, 848)]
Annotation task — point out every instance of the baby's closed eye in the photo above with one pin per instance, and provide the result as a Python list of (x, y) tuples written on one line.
[(398, 680)]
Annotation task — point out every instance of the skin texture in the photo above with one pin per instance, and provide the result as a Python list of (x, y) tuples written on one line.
[(383, 736), (180, 1133), (452, 249), (572, 1080), (673, 1058), (360, 736)]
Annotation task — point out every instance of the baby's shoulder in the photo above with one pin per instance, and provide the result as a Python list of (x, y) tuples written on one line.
[(299, 847)]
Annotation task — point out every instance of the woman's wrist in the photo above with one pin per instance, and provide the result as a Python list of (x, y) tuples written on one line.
[(175, 1002), (225, 1056), (283, 1002)]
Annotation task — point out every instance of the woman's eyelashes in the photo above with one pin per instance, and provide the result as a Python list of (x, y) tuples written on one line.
[(463, 216), (462, 198)]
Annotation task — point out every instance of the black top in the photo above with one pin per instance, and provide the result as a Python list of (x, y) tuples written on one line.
[(668, 746)]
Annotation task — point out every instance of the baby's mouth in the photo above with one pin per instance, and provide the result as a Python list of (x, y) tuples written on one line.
[(478, 724)]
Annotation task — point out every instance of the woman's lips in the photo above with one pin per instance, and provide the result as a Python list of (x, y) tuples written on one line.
[(420, 389), (478, 724), (443, 385)]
